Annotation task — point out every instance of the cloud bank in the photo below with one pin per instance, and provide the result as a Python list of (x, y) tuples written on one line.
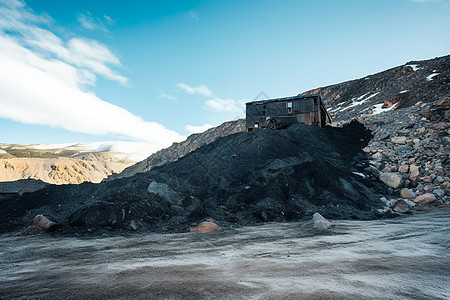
[(199, 90), (44, 81)]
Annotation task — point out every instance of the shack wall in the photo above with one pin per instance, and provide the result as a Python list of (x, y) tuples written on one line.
[(302, 110)]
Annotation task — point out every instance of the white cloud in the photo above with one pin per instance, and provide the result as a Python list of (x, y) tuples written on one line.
[(90, 23), (198, 129), (218, 105), (43, 81), (193, 15), (199, 90), (109, 20), (166, 96)]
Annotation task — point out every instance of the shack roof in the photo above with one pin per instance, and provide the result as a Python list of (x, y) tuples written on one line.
[(298, 97)]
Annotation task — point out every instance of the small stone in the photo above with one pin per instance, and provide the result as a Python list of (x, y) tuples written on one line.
[(383, 199), (206, 227), (399, 140), (403, 132), (414, 175), (440, 125), (403, 168), (413, 168), (430, 154), (401, 206), (426, 179), (392, 180), (439, 179), (377, 156), (133, 225), (42, 222), (425, 198), (366, 150), (320, 222), (439, 193), (407, 193)]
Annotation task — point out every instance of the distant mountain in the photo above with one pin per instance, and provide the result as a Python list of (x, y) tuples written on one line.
[(69, 163)]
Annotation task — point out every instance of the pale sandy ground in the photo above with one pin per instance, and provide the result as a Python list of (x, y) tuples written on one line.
[(406, 258)]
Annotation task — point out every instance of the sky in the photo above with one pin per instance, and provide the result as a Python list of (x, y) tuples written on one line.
[(157, 71)]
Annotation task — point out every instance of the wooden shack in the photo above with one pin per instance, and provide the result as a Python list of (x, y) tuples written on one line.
[(281, 112)]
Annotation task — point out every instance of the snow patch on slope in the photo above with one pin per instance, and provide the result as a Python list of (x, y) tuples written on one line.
[(378, 108), (359, 100), (414, 67), (430, 77)]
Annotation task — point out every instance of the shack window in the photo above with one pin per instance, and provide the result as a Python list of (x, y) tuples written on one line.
[(289, 107), (256, 125)]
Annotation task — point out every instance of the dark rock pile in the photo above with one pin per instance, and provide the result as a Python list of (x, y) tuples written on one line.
[(178, 150), (241, 179)]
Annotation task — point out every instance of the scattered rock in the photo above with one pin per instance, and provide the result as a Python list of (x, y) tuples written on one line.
[(403, 168), (399, 140), (42, 222), (206, 227), (425, 198), (320, 222), (414, 175), (426, 179), (401, 206), (164, 191), (439, 193), (413, 168), (407, 193), (133, 225), (392, 180)]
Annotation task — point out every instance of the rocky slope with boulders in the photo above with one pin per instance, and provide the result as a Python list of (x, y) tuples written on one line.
[(407, 109)]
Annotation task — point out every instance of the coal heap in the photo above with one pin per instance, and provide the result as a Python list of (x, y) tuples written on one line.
[(241, 179)]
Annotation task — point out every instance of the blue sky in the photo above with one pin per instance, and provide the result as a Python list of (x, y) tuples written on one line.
[(154, 71)]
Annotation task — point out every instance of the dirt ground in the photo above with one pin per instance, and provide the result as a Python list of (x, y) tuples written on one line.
[(403, 258)]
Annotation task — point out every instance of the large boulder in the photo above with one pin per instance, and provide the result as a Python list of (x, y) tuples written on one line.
[(392, 180), (164, 191), (320, 222)]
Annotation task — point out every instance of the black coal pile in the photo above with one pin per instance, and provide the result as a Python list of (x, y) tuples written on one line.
[(241, 179)]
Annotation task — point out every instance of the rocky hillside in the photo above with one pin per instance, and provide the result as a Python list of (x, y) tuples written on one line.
[(67, 164), (425, 81), (178, 150)]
